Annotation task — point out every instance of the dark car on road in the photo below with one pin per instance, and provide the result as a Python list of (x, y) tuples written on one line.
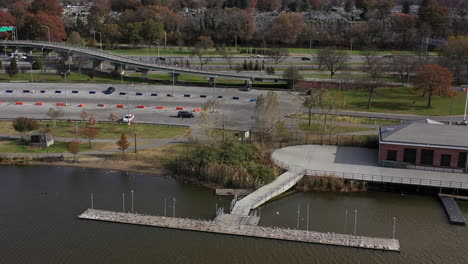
[(109, 90), (305, 58), (185, 114)]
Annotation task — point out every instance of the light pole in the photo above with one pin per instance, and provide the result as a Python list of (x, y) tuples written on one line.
[(173, 81), (121, 73), (32, 80), (158, 49), (65, 74), (298, 215), (132, 201), (48, 31), (466, 103), (394, 223)]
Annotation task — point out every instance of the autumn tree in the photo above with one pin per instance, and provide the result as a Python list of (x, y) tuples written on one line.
[(268, 5), (227, 55), (404, 26), (286, 28), (23, 125), (203, 43), (12, 70), (74, 148), (209, 119), (90, 133), (84, 114), (266, 115), (455, 55), (123, 143), (306, 97), (327, 102), (151, 31), (292, 75), (54, 114), (433, 79), (75, 38), (375, 66), (278, 55), (113, 117), (92, 121), (437, 17), (6, 19), (366, 6), (332, 60)]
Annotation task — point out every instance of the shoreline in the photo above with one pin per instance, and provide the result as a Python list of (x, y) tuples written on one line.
[(123, 166)]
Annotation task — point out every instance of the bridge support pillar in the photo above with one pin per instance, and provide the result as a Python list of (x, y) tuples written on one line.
[(176, 76), (46, 53), (144, 73), (211, 81), (97, 63)]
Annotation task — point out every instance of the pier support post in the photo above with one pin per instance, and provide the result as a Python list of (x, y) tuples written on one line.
[(355, 221), (394, 223), (132, 201), (123, 202), (173, 207), (92, 201)]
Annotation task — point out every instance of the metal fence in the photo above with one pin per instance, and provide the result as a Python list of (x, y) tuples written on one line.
[(390, 179)]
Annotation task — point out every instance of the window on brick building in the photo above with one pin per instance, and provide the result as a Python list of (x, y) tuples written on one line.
[(409, 155), (461, 160), (391, 155), (427, 157), (445, 160)]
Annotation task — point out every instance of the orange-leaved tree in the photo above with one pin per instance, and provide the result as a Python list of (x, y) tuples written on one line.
[(433, 79)]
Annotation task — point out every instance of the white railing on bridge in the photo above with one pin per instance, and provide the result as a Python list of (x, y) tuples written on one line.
[(126, 60)]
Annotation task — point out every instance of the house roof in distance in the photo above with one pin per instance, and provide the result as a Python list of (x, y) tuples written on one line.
[(425, 133)]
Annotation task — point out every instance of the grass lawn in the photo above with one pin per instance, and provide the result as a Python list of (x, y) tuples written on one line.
[(315, 128), (400, 100), (16, 146), (185, 51), (348, 119), (162, 155), (107, 131)]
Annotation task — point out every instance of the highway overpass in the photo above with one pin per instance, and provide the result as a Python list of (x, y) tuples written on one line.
[(98, 56)]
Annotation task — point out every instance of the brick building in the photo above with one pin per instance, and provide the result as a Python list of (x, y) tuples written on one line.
[(425, 145)]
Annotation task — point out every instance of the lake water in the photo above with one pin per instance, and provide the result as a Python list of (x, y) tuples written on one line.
[(39, 224)]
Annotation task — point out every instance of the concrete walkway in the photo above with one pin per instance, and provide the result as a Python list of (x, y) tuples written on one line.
[(360, 164)]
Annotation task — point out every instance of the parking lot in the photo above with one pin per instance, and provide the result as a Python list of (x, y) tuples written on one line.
[(149, 103)]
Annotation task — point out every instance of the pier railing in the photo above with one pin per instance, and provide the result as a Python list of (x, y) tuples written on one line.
[(375, 178), (390, 179)]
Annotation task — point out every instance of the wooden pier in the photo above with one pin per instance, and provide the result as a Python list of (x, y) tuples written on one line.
[(220, 227), (451, 208)]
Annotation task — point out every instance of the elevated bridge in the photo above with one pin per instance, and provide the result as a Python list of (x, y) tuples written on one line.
[(98, 56)]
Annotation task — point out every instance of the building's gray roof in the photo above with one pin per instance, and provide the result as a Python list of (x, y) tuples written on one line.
[(425, 134)]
